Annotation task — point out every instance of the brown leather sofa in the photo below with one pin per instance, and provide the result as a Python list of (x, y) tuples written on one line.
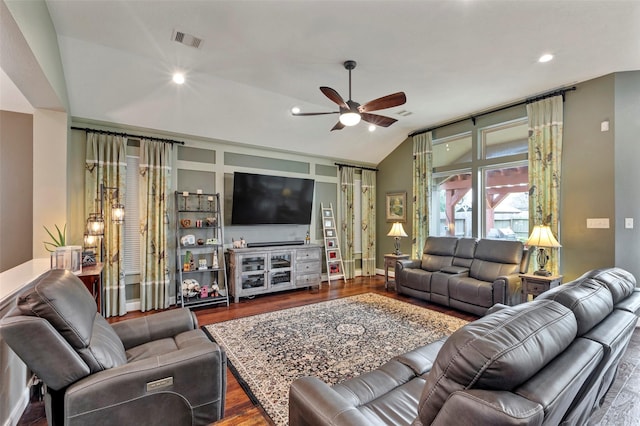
[(153, 370), (464, 273), (545, 362)]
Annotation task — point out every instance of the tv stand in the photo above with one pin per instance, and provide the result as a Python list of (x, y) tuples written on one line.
[(277, 243), (268, 269)]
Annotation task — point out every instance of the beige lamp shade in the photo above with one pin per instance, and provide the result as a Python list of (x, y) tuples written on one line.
[(541, 236), (397, 231)]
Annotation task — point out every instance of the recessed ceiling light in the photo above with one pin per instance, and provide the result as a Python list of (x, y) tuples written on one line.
[(372, 127), (546, 57), (178, 78), (295, 110)]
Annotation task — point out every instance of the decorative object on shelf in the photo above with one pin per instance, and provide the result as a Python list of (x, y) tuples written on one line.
[(211, 241), (215, 289), (204, 291), (88, 258), (210, 221), (542, 238), (186, 223), (307, 238), (397, 231), (188, 240), (200, 241), (396, 207), (190, 287), (215, 260), (202, 263)]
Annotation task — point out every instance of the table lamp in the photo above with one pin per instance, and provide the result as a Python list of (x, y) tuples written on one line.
[(542, 238), (397, 231)]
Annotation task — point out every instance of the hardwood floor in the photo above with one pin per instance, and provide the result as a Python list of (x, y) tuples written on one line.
[(239, 410)]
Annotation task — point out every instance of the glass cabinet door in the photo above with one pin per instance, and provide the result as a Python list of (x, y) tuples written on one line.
[(253, 270), (281, 267)]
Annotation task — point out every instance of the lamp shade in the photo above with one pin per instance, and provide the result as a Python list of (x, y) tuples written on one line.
[(95, 224), (541, 236), (397, 231)]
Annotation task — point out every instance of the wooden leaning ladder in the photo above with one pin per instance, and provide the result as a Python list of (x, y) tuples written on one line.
[(335, 267)]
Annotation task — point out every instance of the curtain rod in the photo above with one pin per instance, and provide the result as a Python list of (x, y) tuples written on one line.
[(108, 132), (474, 116), (355, 167)]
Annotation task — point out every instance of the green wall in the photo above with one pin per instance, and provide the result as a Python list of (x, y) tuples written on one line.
[(599, 175)]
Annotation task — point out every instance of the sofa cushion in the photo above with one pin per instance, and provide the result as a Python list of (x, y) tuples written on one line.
[(416, 279), (589, 300), (465, 250), (494, 258), (620, 283), (438, 252), (499, 352), (471, 290), (61, 298)]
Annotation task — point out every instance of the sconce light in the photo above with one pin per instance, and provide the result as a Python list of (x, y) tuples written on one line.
[(542, 238), (95, 222), (397, 231)]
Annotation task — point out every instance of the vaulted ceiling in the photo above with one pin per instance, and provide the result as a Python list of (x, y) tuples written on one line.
[(257, 59)]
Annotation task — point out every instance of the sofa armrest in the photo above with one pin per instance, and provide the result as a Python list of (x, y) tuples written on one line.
[(136, 331), (507, 289), (192, 378), (313, 402), (487, 407), (407, 263)]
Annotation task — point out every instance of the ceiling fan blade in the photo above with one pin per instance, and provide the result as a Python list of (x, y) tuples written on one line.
[(334, 96), (315, 113), (384, 102), (338, 126), (378, 120)]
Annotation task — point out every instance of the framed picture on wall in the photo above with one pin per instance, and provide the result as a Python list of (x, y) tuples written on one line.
[(396, 207)]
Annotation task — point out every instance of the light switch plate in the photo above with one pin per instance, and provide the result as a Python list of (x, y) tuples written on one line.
[(628, 222), (599, 222)]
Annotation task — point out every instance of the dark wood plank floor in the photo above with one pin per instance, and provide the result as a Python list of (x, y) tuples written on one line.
[(239, 410)]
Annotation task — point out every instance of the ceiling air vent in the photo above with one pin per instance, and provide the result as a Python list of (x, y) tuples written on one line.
[(404, 113), (186, 39)]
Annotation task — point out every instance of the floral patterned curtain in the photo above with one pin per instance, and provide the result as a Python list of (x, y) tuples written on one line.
[(347, 221), (422, 171), (545, 160), (368, 222), (106, 164), (155, 245)]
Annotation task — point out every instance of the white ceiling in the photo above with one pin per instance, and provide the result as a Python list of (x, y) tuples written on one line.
[(452, 58)]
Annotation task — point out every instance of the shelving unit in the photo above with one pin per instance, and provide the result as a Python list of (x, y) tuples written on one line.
[(201, 278), (335, 267)]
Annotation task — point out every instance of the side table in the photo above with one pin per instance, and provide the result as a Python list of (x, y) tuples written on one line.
[(390, 262), (91, 276), (538, 284)]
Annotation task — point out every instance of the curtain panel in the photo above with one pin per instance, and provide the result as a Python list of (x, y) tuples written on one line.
[(106, 164), (545, 161), (347, 221), (368, 220), (422, 181), (155, 244)]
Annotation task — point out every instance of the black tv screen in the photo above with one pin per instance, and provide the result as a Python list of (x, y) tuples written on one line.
[(263, 199)]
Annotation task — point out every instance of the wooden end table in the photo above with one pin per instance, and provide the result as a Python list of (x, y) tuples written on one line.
[(537, 284), (390, 262), (91, 276)]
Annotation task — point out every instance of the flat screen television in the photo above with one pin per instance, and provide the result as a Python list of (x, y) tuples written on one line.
[(270, 200)]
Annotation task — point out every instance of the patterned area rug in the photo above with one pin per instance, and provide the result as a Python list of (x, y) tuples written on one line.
[(332, 340)]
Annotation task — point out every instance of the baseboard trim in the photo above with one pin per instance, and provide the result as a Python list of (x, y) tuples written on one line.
[(18, 409)]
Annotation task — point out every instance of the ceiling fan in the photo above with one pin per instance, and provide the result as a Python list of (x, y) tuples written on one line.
[(352, 112)]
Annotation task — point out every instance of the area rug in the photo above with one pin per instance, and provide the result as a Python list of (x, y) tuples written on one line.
[(332, 340)]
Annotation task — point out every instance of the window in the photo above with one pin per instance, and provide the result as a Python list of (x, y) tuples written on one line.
[(481, 182), (131, 221)]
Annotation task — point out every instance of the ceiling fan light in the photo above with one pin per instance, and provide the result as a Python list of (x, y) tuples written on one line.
[(350, 118)]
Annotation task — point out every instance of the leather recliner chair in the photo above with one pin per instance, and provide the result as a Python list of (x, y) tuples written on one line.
[(157, 369)]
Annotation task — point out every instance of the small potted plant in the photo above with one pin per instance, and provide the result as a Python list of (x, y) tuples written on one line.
[(63, 256)]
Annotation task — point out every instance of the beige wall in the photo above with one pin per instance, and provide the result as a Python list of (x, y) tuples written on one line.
[(16, 182)]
